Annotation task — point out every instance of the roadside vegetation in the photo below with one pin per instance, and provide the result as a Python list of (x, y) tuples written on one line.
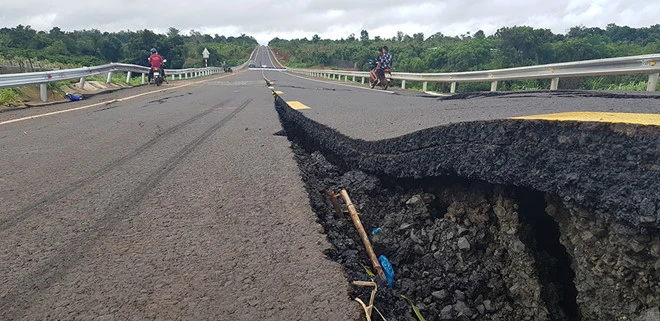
[(509, 47), (31, 50), (9, 97)]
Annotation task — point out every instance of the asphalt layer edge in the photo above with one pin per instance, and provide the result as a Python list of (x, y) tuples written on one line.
[(610, 169)]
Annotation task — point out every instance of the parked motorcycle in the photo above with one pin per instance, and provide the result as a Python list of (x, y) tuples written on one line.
[(385, 78)]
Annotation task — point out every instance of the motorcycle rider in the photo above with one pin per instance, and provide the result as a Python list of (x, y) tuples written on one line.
[(373, 72), (156, 61), (385, 62)]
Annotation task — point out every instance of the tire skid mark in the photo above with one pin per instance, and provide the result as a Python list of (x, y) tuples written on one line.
[(32, 209), (23, 296)]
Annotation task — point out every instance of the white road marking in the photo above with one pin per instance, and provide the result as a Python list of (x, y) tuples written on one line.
[(108, 102)]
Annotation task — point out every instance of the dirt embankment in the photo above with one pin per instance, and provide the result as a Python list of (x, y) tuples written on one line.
[(576, 239)]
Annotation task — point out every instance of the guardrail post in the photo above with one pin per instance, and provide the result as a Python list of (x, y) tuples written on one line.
[(453, 88), (128, 77), (109, 80), (424, 86), (493, 86), (81, 83), (653, 82), (363, 80), (173, 77), (186, 75), (143, 81), (179, 76), (353, 78), (43, 89), (554, 84), (403, 84)]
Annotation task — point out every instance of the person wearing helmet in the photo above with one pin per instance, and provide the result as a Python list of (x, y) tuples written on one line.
[(156, 61)]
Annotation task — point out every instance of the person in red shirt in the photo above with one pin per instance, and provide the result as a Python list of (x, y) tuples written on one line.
[(156, 61)]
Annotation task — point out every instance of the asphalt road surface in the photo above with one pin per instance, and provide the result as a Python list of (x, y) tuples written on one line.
[(184, 202), (373, 114), (173, 203)]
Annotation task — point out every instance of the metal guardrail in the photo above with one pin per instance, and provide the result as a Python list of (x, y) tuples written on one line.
[(645, 64), (43, 78)]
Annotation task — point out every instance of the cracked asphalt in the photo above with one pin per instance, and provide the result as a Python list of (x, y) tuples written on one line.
[(180, 204), (185, 202)]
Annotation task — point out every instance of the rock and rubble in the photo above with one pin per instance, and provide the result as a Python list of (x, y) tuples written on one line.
[(472, 249)]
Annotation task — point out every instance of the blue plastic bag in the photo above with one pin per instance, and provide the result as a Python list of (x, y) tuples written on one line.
[(387, 269), (73, 97)]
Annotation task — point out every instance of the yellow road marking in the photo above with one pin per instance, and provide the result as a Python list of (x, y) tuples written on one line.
[(263, 74), (271, 87), (110, 102), (297, 105), (277, 92), (603, 117)]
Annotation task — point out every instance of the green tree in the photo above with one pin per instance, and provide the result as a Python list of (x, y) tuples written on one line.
[(364, 37), (110, 48), (57, 48)]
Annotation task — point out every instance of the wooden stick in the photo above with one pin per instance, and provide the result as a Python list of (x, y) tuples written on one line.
[(335, 204), (363, 234), (368, 309), (364, 283)]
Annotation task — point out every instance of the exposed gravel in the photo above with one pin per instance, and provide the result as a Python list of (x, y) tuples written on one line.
[(554, 248)]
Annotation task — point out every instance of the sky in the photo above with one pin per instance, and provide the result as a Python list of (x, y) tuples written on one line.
[(331, 19)]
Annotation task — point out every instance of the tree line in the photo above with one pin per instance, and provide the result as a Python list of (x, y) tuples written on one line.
[(93, 47), (508, 47)]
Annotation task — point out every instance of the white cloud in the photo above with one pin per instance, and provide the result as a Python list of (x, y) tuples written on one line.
[(266, 19)]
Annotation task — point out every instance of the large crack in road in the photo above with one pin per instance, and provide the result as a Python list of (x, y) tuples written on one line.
[(500, 220)]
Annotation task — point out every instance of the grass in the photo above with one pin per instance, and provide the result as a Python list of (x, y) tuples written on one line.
[(57, 86), (606, 83), (631, 86), (9, 97), (118, 78)]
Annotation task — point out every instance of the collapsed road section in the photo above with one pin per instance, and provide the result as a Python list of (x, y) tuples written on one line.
[(496, 220)]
